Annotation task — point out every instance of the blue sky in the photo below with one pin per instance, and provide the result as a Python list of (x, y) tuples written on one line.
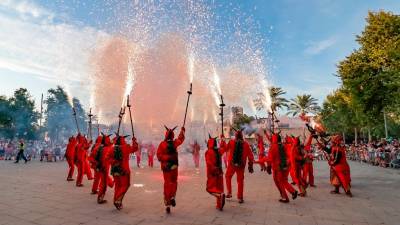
[(306, 39)]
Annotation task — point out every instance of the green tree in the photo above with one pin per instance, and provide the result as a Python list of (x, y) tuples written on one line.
[(303, 104), (60, 122), (5, 117), (277, 101), (23, 115), (372, 72)]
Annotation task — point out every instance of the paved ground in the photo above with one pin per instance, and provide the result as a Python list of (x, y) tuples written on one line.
[(37, 193)]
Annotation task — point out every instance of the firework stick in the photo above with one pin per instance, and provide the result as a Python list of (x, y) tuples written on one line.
[(222, 114), (187, 104), (130, 115), (121, 114), (90, 123)]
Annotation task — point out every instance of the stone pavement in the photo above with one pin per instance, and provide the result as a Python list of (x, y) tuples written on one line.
[(37, 193)]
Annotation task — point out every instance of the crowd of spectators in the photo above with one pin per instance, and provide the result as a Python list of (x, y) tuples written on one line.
[(34, 149), (378, 153)]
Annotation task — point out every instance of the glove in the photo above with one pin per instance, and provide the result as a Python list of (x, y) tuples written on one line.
[(269, 170), (183, 129), (251, 170)]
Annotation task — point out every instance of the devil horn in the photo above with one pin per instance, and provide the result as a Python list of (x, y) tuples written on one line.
[(233, 128), (174, 128), (127, 136), (242, 129), (209, 135), (166, 127), (102, 134)]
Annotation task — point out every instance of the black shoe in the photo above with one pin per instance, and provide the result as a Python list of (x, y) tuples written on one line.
[(313, 185), (173, 202), (94, 192), (222, 201), (168, 210), (294, 195), (348, 193), (241, 201)]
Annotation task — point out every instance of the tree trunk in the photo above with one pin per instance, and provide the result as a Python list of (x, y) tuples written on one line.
[(344, 138), (369, 135), (355, 135)]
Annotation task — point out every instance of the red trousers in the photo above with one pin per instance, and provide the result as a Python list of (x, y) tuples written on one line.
[(138, 159), (150, 161), (71, 166), (215, 186), (281, 182), (102, 184), (170, 185), (122, 184), (230, 171), (83, 168), (308, 171), (295, 173), (344, 178), (96, 181)]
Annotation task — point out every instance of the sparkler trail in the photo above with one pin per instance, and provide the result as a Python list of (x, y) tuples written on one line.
[(157, 47)]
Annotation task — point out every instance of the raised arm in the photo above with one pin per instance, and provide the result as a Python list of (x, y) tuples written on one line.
[(181, 137)]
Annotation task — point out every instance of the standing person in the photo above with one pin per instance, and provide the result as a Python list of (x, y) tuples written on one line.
[(151, 151), (70, 156), (260, 147), (119, 159), (93, 164), (297, 162), (215, 173), (340, 169), (239, 152), (167, 154), (308, 169), (21, 149), (196, 154), (81, 159), (138, 155), (277, 161), (103, 167)]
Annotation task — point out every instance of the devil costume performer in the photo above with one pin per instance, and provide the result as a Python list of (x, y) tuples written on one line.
[(120, 169), (167, 154), (151, 151), (196, 154), (297, 162), (277, 161), (239, 152), (340, 169), (81, 160), (103, 167), (70, 157), (215, 173), (308, 170)]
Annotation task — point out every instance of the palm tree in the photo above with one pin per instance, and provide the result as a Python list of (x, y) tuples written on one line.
[(277, 101), (303, 104)]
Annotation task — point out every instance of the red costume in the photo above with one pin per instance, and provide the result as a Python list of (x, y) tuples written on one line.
[(261, 148), (239, 152), (167, 154), (138, 155), (215, 174), (151, 151), (70, 156), (308, 170), (340, 169), (81, 160), (92, 162), (277, 160), (296, 162), (196, 154), (120, 169), (103, 167), (93, 165)]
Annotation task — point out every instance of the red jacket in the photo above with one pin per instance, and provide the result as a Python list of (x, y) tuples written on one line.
[(70, 151), (213, 161), (246, 153), (120, 166), (169, 158)]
